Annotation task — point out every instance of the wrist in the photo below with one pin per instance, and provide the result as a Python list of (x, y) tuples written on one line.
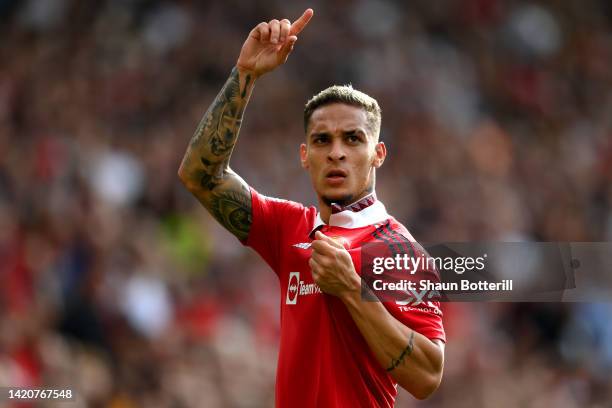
[(243, 72), (352, 295)]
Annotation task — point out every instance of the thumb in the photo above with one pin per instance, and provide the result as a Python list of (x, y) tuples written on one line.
[(287, 48)]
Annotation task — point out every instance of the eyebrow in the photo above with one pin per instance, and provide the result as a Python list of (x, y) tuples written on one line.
[(345, 133), (317, 134), (354, 132)]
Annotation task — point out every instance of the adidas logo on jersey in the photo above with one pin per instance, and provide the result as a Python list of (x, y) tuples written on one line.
[(303, 245)]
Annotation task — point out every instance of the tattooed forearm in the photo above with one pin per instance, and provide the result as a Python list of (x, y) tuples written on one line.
[(205, 167), (217, 132), (405, 353)]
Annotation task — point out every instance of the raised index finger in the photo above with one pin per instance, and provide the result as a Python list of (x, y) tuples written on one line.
[(299, 24)]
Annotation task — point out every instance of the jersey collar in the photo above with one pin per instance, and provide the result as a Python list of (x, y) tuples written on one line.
[(364, 212)]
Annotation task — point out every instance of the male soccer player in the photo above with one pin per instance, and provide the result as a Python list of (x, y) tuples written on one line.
[(336, 349)]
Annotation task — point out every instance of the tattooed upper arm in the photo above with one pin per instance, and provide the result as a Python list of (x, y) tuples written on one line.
[(205, 168), (230, 203)]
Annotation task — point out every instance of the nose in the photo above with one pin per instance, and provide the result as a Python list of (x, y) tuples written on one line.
[(336, 151)]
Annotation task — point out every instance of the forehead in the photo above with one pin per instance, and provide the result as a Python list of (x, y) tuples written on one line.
[(338, 116)]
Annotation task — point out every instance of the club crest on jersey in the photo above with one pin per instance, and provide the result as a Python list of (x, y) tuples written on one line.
[(296, 287), (341, 240)]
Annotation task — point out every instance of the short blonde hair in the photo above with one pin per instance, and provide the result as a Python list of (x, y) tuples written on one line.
[(348, 95)]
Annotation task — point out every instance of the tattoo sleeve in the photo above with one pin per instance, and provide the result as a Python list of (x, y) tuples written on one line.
[(405, 353), (205, 168)]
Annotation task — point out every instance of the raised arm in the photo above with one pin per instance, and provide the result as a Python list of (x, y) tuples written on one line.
[(205, 167)]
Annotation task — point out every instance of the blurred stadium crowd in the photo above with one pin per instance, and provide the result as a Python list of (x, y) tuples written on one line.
[(116, 283)]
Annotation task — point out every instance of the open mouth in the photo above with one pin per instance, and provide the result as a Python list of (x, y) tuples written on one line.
[(335, 176)]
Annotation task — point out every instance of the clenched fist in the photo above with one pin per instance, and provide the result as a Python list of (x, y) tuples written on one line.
[(332, 266), (269, 44)]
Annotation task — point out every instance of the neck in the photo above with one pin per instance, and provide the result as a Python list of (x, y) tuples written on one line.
[(325, 209)]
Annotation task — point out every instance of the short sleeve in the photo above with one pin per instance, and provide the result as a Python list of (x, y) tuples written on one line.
[(422, 315), (271, 219), (416, 309), (425, 318)]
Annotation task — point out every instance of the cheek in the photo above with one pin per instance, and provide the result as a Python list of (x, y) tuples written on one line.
[(316, 160), (312, 164), (363, 167), (364, 162)]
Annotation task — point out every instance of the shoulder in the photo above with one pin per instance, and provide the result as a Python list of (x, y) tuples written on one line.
[(280, 207), (392, 228), (399, 228), (400, 234)]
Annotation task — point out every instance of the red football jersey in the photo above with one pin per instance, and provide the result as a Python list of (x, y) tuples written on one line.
[(324, 361)]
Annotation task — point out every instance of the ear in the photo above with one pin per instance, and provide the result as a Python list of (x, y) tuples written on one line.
[(303, 154), (380, 151)]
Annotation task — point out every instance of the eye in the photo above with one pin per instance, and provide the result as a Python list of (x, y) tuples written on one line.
[(320, 139), (353, 139)]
